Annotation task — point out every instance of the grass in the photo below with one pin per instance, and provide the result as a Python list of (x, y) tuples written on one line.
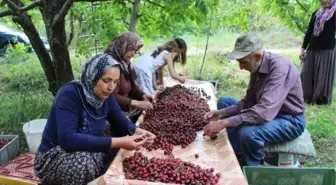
[(24, 95)]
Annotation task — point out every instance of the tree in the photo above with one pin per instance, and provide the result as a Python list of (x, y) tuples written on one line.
[(253, 15), (151, 19), (294, 14), (57, 67)]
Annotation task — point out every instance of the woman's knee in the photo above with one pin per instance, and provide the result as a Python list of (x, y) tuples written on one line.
[(84, 167)]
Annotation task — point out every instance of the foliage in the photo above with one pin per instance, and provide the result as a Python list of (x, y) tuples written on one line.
[(101, 21), (16, 54), (23, 76), (295, 14), (258, 15), (165, 17)]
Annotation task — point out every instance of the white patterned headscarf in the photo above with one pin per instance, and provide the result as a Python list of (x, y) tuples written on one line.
[(120, 45), (91, 72)]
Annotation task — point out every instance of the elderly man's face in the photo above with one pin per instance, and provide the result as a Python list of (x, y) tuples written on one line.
[(251, 62), (326, 3)]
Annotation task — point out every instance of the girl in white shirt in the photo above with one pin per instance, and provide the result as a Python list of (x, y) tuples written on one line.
[(166, 55)]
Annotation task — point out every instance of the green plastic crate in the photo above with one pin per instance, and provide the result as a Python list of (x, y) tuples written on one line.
[(289, 176)]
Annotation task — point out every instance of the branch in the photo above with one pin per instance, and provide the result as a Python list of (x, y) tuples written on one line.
[(154, 3), (31, 6), (62, 13), (13, 6), (125, 21), (296, 22), (92, 0), (304, 8), (18, 10), (6, 13)]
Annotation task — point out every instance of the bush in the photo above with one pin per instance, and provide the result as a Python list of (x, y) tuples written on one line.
[(16, 54), (20, 107), (25, 76)]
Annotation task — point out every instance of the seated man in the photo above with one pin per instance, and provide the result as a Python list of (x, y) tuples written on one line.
[(272, 109)]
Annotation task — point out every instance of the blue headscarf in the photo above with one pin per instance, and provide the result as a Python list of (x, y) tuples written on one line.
[(91, 72)]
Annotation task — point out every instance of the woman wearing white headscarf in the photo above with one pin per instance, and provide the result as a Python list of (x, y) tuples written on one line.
[(74, 149), (318, 55)]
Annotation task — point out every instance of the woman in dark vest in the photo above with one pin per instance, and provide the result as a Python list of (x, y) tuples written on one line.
[(130, 97), (318, 55)]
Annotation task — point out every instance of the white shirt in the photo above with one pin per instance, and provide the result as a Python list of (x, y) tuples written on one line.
[(148, 63)]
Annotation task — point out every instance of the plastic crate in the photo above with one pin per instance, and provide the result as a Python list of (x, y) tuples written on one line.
[(214, 83), (289, 176), (10, 150)]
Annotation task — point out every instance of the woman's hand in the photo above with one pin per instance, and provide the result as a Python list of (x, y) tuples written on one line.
[(159, 88), (302, 54), (148, 97), (142, 105), (182, 79), (149, 136), (129, 142)]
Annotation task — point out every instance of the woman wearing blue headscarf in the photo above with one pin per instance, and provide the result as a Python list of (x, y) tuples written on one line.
[(74, 148), (318, 55)]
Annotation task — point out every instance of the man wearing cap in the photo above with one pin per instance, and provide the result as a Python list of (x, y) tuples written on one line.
[(272, 109)]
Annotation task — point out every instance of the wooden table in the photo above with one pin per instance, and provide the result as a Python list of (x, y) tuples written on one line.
[(216, 154)]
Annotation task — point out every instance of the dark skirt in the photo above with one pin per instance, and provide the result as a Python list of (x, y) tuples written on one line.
[(58, 167), (317, 75)]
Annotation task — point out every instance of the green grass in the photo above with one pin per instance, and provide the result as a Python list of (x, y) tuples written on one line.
[(24, 95)]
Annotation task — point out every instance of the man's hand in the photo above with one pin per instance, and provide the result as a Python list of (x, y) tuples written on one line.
[(214, 127), (214, 115)]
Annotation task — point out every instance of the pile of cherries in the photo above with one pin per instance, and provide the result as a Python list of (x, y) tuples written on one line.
[(3, 142), (169, 170), (175, 119)]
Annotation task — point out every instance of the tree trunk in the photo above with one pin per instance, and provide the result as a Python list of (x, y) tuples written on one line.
[(58, 42), (134, 16), (72, 28), (253, 18), (206, 47), (25, 21)]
